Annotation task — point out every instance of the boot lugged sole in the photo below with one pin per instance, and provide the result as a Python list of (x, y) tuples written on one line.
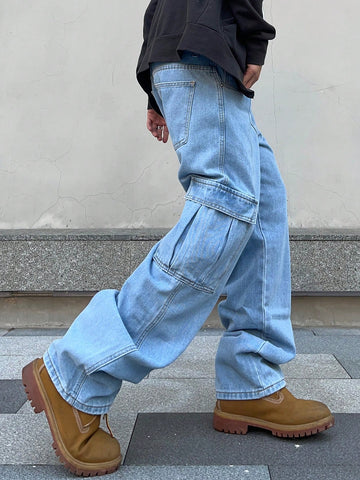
[(37, 396), (231, 423)]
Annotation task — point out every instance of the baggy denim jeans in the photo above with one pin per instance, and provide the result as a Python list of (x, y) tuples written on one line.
[(231, 241)]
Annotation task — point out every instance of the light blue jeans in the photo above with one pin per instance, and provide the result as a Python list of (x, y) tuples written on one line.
[(231, 239)]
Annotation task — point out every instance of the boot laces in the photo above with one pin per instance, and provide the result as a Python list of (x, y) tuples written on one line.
[(105, 417)]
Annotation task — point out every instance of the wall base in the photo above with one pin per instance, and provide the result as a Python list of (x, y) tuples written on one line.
[(58, 312)]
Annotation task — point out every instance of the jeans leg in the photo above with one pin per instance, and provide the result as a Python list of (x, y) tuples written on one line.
[(123, 335), (256, 311)]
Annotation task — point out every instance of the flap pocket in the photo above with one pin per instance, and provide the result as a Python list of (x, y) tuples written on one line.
[(222, 198)]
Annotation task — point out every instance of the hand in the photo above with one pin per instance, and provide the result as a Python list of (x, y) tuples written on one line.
[(157, 126), (252, 75)]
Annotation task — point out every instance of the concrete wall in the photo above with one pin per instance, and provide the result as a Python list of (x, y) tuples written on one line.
[(74, 151)]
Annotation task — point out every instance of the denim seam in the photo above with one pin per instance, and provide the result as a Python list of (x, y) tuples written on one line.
[(256, 367), (216, 206), (181, 278), (158, 317), (221, 105), (263, 293), (58, 378), (235, 252), (69, 396), (194, 66), (182, 66), (253, 391), (190, 101), (175, 83), (261, 347), (205, 278), (226, 188), (112, 358), (251, 120)]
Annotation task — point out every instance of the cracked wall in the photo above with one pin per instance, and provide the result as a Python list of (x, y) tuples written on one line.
[(74, 151)]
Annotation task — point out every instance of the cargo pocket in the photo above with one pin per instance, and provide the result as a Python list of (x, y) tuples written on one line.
[(206, 242), (177, 100)]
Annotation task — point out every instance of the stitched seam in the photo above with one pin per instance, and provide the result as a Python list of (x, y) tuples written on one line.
[(188, 118), (181, 84), (76, 387), (220, 208), (158, 317), (263, 285), (111, 359), (252, 391), (276, 401), (251, 120), (176, 255), (181, 278), (72, 397), (82, 428), (225, 188), (221, 105), (182, 66), (205, 278), (175, 84)]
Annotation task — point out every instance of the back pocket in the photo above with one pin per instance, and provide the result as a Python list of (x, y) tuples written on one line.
[(177, 100)]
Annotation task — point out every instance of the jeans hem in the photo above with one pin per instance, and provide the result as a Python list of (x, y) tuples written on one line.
[(98, 410), (264, 392)]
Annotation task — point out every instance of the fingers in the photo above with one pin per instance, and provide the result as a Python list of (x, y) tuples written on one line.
[(157, 126), (162, 133), (252, 75), (165, 134)]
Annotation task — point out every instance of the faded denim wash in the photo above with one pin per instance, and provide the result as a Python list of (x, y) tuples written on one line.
[(231, 239)]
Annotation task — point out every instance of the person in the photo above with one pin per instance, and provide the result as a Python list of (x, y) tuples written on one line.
[(197, 65)]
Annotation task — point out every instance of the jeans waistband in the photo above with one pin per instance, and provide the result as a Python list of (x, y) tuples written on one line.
[(196, 59), (191, 58)]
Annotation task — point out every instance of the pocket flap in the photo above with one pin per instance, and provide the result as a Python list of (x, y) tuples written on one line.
[(222, 198)]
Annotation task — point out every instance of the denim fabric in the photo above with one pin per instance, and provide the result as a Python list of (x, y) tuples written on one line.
[(231, 238)]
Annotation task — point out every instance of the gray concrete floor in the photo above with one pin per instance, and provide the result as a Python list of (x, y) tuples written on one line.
[(179, 399)]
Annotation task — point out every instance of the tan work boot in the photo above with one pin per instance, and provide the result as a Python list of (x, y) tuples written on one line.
[(83, 447), (281, 412)]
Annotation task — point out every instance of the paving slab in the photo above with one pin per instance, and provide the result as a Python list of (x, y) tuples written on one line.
[(26, 439), (37, 332), (167, 395), (12, 396), (350, 363), (335, 344), (198, 395), (314, 366), (40, 472), (303, 333), (178, 439), (11, 366), (340, 395), (198, 362), (160, 395), (305, 472), (25, 345), (336, 331), (211, 332)]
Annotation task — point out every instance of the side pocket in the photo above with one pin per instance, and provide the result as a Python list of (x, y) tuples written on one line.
[(169, 247), (177, 100), (201, 249)]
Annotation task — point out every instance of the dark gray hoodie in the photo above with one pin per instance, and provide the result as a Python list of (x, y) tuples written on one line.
[(231, 33)]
